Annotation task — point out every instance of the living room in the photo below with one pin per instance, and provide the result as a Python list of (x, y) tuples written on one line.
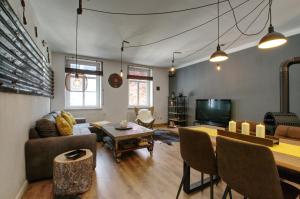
[(114, 99)]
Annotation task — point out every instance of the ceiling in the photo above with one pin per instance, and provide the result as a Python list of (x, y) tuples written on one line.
[(100, 35)]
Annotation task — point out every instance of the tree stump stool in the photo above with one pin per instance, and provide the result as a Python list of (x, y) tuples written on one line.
[(72, 177)]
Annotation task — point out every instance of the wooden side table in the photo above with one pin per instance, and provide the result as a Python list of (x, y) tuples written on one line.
[(72, 177)]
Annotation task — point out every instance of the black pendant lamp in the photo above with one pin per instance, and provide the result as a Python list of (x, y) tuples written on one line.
[(77, 82), (272, 39), (172, 70), (122, 49), (218, 55)]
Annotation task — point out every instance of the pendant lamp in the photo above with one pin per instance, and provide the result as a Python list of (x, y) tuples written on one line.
[(218, 55), (272, 39), (77, 82), (122, 49), (172, 70)]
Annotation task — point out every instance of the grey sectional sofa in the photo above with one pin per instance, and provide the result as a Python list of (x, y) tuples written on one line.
[(45, 144)]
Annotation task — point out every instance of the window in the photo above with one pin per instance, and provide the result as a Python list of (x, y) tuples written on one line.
[(140, 87), (91, 97)]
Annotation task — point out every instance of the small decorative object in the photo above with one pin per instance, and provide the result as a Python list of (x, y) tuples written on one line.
[(232, 126), (115, 80), (260, 131), (123, 124), (180, 94), (173, 96), (246, 128), (75, 154)]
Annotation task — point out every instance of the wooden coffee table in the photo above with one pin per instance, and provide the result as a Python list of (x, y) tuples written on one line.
[(121, 141)]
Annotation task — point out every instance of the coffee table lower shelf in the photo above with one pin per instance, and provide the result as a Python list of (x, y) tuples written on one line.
[(118, 147)]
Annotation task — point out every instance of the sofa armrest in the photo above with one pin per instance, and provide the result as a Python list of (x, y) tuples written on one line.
[(40, 153), (80, 120)]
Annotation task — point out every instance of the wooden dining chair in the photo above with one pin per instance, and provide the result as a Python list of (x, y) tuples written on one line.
[(250, 170), (197, 152)]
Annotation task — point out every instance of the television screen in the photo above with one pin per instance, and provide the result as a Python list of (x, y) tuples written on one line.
[(213, 111)]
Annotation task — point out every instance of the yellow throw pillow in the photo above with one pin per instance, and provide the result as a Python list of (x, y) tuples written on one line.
[(71, 116), (67, 117), (63, 126)]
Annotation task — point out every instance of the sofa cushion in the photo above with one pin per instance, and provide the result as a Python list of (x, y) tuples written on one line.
[(63, 126), (81, 129), (46, 126)]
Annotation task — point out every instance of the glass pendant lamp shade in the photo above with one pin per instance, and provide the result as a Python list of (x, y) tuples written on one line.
[(218, 55), (76, 82), (272, 39)]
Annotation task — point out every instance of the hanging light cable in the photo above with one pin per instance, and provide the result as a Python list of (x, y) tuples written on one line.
[(79, 82), (272, 39), (122, 49), (218, 55)]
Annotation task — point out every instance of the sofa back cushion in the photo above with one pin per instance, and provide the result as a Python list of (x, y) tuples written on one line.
[(46, 126)]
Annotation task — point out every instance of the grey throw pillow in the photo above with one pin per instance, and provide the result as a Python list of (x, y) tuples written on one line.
[(46, 126)]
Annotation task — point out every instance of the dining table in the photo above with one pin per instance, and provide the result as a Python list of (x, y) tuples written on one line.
[(286, 155)]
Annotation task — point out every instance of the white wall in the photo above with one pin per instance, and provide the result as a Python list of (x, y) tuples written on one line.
[(115, 100), (18, 113)]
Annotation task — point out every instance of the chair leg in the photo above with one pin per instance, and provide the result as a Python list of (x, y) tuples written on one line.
[(202, 178), (211, 187), (180, 187), (230, 194), (227, 190)]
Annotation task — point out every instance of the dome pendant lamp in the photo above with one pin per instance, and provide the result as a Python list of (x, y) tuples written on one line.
[(218, 55), (122, 49), (272, 39)]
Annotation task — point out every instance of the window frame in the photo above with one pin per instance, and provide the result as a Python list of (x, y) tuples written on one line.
[(149, 85), (99, 86)]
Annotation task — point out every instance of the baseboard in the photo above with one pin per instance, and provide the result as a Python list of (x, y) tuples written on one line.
[(22, 190)]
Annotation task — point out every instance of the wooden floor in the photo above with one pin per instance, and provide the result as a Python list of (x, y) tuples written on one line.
[(137, 176)]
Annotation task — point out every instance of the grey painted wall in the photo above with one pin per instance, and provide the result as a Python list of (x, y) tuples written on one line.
[(249, 77)]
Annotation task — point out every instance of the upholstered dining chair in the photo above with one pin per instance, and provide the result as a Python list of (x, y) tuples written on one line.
[(250, 170), (288, 132), (197, 152)]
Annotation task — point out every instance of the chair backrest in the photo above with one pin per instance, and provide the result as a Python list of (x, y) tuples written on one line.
[(248, 169), (290, 132), (136, 110), (197, 151)]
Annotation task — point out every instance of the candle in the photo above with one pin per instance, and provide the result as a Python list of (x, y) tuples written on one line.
[(245, 128), (260, 131), (232, 126)]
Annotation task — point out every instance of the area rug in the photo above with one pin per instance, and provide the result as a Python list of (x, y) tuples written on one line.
[(165, 136)]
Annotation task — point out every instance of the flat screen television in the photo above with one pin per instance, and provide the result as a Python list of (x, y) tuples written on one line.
[(215, 112)]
